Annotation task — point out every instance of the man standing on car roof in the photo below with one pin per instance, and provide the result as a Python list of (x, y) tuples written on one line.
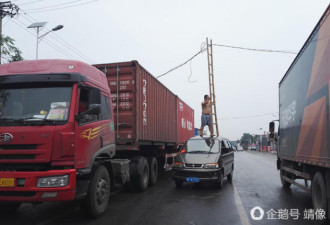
[(206, 115)]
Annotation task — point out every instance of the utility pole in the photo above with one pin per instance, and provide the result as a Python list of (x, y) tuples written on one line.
[(214, 119), (6, 9)]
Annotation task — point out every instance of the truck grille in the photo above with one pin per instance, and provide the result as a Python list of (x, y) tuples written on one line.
[(24, 167), (18, 147), (18, 156)]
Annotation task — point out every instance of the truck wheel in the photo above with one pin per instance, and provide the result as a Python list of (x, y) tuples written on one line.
[(153, 171), (178, 183), (285, 184), (220, 182), (319, 192), (230, 176), (140, 178), (97, 199), (9, 207)]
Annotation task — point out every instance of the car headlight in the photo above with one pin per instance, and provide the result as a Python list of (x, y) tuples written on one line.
[(177, 164), (56, 181), (211, 165)]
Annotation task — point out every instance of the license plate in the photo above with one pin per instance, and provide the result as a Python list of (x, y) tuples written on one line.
[(192, 179), (7, 182)]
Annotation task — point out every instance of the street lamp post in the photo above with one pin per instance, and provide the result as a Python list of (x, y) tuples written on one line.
[(38, 27)]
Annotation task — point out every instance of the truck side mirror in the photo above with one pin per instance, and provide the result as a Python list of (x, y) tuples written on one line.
[(271, 127)]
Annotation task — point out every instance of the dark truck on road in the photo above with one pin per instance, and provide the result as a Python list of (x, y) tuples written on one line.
[(304, 122)]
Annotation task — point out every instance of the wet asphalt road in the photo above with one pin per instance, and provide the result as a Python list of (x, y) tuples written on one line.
[(255, 183)]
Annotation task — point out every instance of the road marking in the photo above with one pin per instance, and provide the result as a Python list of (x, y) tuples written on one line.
[(239, 205)]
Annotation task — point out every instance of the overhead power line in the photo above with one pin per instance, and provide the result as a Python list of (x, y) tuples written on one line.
[(63, 7), (255, 49), (202, 49), (31, 2), (227, 46), (252, 116), (54, 46), (52, 6), (58, 39)]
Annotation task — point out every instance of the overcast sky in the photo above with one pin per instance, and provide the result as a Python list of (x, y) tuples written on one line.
[(163, 34)]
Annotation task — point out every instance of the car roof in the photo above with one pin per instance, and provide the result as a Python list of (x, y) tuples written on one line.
[(207, 137)]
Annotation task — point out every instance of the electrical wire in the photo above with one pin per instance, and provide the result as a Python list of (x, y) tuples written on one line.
[(30, 2), (202, 49), (65, 7), (52, 6), (255, 49), (23, 26), (252, 116), (60, 40), (227, 46), (191, 81)]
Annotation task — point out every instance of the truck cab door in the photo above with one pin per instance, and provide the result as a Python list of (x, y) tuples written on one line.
[(89, 127)]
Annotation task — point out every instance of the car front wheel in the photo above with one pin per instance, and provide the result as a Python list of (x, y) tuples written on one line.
[(220, 181)]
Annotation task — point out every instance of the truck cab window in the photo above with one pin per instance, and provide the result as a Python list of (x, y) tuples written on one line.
[(86, 102)]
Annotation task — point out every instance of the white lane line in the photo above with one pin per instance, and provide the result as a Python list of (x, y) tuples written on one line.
[(239, 205)]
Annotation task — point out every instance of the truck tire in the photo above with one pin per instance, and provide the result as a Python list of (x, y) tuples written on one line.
[(319, 192), (9, 207), (285, 184), (153, 171), (97, 199), (140, 177)]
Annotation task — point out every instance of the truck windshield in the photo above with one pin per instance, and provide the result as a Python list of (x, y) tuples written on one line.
[(203, 146), (35, 104)]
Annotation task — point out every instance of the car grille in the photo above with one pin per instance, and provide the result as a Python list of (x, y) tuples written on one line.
[(194, 165)]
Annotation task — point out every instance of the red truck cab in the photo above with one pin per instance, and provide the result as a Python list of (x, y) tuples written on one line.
[(56, 134)]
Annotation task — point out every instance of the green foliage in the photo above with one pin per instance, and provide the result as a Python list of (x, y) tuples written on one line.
[(9, 52)]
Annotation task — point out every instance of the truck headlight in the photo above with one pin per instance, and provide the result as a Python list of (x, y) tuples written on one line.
[(56, 181), (211, 165), (177, 164)]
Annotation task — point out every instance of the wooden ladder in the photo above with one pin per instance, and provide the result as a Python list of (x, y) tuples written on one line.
[(214, 119)]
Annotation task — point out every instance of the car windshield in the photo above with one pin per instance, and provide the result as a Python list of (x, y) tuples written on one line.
[(207, 145), (34, 104)]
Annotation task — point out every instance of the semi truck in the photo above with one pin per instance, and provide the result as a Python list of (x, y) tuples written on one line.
[(71, 131), (304, 128)]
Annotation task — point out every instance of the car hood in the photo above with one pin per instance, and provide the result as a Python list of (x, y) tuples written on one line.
[(194, 158)]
